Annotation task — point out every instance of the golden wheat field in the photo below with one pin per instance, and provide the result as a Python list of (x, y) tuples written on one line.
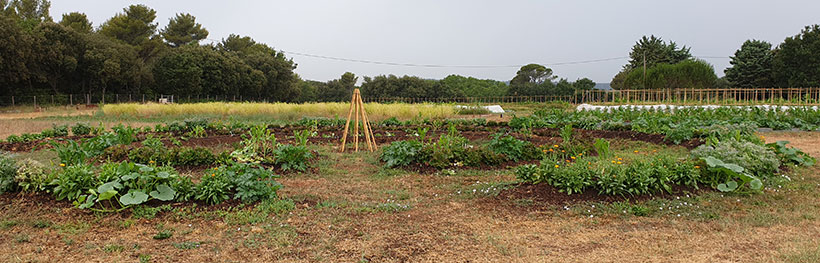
[(375, 111)]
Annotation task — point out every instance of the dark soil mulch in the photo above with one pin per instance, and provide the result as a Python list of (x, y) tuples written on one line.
[(545, 195)]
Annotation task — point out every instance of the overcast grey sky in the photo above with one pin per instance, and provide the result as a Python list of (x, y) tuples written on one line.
[(478, 32)]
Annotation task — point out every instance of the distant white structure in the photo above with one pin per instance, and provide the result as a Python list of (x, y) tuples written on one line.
[(490, 108)]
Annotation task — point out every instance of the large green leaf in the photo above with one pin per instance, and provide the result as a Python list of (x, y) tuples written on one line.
[(163, 192), (113, 185), (728, 186), (163, 175), (756, 184), (130, 176), (133, 198), (107, 194)]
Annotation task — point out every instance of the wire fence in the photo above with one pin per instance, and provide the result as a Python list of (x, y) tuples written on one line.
[(793, 96)]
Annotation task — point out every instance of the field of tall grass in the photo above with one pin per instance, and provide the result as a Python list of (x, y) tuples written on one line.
[(375, 111)]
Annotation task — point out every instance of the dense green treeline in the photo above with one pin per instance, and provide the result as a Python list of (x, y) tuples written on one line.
[(655, 64)]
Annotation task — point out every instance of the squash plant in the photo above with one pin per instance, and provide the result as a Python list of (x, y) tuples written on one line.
[(729, 174), (128, 184)]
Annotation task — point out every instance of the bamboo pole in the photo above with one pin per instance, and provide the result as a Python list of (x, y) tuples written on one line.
[(356, 127), (364, 122), (368, 129), (347, 124)]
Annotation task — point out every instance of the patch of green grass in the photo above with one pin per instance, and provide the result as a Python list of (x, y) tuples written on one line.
[(40, 223), (6, 224), (125, 224), (145, 258), (265, 211), (810, 254), (523, 202), (397, 194), (113, 248), (73, 228), (22, 238), (164, 234), (148, 212)]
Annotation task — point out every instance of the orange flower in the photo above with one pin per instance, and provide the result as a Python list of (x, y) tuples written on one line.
[(550, 149), (563, 151), (567, 160), (212, 175), (697, 166), (620, 159)]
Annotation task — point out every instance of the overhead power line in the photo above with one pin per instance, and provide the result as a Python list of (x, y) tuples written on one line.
[(452, 66), (443, 66)]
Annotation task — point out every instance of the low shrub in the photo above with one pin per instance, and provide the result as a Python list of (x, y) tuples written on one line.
[(32, 176), (756, 159), (73, 181), (292, 157), (80, 129), (637, 175), (401, 153), (452, 149), (244, 181), (514, 149), (8, 170)]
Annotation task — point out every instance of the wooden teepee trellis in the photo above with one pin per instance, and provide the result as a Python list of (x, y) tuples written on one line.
[(357, 106)]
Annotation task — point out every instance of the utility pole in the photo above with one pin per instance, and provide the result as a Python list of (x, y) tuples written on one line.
[(644, 69)]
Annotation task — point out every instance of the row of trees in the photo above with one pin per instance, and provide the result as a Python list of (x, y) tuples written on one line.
[(529, 81), (794, 63), (129, 54), (655, 64)]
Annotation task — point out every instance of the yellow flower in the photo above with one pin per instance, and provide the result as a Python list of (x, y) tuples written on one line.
[(572, 157), (555, 145), (62, 165), (152, 161), (613, 161), (580, 154), (620, 163), (636, 151), (556, 166)]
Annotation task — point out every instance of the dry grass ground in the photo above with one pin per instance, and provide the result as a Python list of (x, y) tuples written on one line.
[(353, 210)]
